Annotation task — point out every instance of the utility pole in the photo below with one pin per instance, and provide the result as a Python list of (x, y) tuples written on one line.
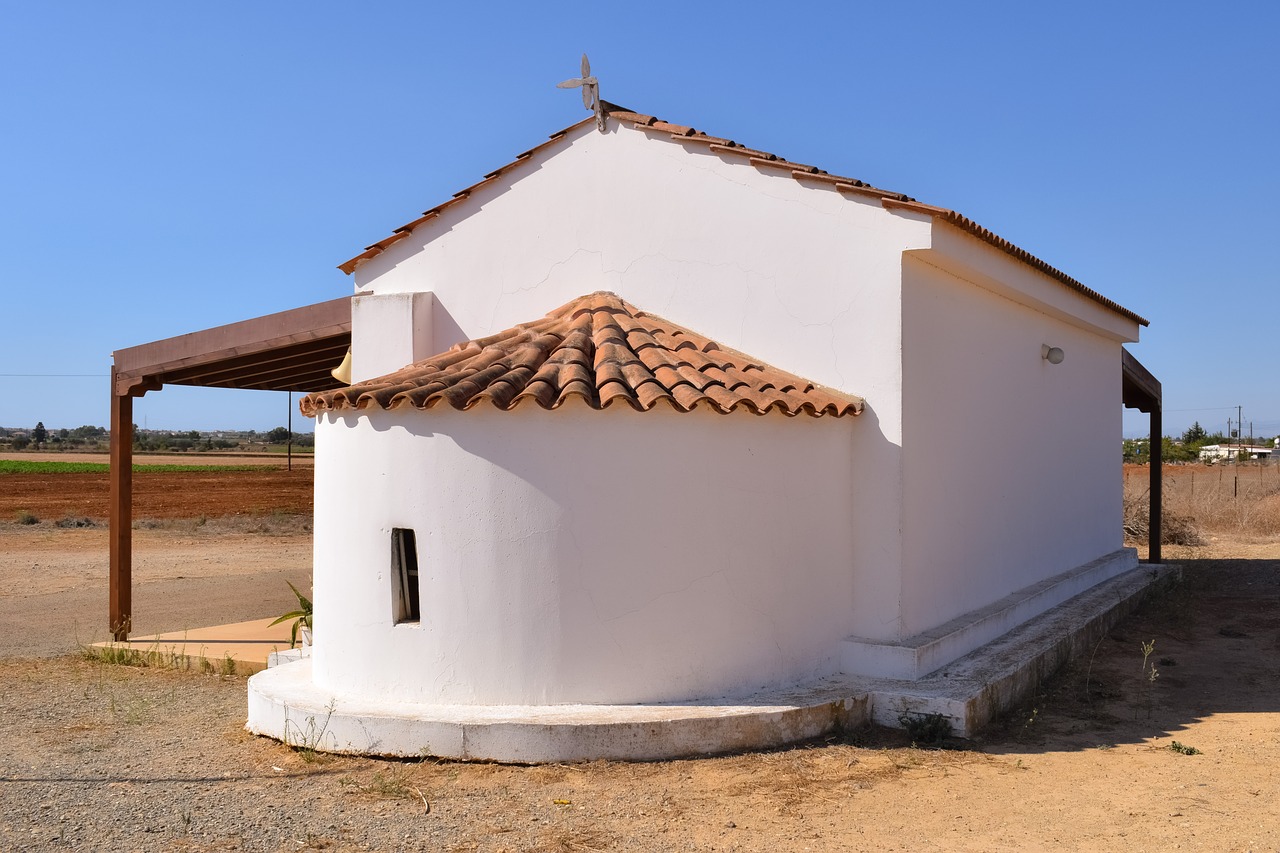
[(1235, 486), (1239, 432)]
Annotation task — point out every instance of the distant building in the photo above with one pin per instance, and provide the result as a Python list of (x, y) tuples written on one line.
[(1227, 452)]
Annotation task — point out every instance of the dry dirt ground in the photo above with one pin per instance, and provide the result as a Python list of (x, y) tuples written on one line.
[(102, 757)]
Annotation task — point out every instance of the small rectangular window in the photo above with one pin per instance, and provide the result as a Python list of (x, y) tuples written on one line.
[(404, 574)]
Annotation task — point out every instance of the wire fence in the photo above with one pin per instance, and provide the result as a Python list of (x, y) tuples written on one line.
[(1238, 499)]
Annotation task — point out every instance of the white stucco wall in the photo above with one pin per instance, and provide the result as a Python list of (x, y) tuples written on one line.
[(583, 556), (831, 287), (394, 329), (798, 275), (1010, 463), (805, 278)]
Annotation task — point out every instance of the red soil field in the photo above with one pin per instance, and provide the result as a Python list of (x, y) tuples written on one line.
[(50, 497)]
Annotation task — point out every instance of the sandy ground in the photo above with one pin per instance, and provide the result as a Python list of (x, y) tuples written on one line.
[(186, 574), (100, 757)]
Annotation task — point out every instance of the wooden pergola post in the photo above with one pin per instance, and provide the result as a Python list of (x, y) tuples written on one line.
[(1142, 391), (120, 593), (1157, 484)]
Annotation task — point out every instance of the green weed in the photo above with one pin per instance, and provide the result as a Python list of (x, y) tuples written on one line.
[(1149, 676), (152, 657), (308, 739), (393, 783), (926, 729)]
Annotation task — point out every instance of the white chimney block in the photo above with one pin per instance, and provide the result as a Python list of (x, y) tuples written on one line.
[(388, 332)]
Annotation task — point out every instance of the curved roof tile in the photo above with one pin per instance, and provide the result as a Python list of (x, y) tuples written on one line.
[(603, 350)]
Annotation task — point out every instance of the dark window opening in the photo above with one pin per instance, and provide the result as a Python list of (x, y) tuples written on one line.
[(404, 574)]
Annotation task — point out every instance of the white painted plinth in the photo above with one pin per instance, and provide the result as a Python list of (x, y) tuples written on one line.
[(282, 657), (285, 704), (917, 656)]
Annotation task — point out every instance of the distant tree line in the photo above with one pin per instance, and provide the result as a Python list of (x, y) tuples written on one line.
[(179, 441), (1185, 448), (194, 440), (40, 438), (97, 438)]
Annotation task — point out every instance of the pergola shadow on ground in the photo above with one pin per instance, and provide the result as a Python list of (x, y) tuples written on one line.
[(293, 350)]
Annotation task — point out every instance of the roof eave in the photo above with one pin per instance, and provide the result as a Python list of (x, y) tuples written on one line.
[(966, 224), (763, 160)]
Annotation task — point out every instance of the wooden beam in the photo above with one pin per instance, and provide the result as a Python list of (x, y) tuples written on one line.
[(1156, 473), (120, 535), (260, 334), (1142, 390), (262, 367)]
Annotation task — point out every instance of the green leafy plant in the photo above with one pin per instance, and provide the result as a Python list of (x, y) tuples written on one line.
[(1184, 749), (301, 617)]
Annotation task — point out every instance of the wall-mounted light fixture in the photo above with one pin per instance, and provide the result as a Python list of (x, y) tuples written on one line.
[(1053, 355)]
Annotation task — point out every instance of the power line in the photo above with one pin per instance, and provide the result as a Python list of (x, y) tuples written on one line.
[(54, 375)]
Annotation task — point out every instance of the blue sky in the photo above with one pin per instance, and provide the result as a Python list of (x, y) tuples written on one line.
[(165, 167)]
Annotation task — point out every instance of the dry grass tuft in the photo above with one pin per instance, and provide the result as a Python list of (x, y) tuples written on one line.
[(576, 841), (1175, 529), (1201, 500)]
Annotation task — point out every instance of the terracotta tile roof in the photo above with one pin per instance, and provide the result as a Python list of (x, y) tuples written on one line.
[(810, 175), (602, 350)]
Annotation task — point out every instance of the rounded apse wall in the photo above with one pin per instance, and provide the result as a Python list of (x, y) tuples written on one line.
[(580, 556)]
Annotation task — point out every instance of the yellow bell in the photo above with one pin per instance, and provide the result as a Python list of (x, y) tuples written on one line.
[(342, 372)]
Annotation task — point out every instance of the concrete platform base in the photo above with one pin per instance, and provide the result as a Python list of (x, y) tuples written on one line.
[(916, 657), (973, 690), (285, 704), (241, 646)]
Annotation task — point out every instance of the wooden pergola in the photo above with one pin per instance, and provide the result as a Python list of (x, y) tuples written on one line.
[(1142, 392), (290, 351)]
